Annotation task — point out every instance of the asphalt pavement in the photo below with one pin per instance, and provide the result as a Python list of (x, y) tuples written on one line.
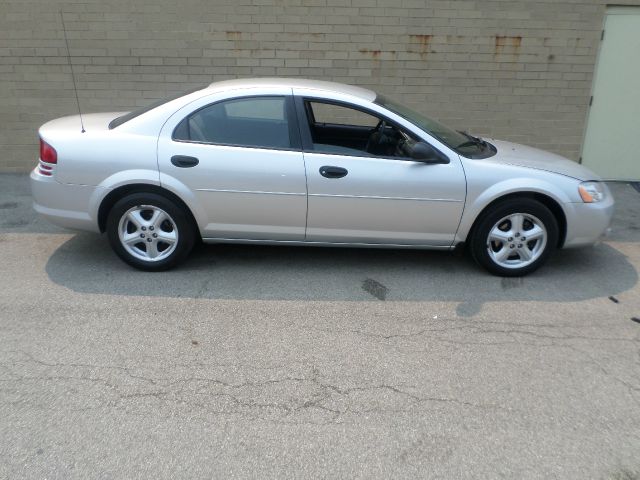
[(291, 362)]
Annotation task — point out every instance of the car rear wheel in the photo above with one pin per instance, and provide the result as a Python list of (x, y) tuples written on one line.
[(150, 232), (513, 238)]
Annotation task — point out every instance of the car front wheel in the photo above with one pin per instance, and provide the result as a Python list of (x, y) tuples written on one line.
[(513, 238), (149, 232)]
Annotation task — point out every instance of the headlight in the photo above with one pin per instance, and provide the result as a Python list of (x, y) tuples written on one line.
[(591, 192)]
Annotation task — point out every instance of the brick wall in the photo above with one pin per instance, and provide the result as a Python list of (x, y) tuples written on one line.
[(517, 70)]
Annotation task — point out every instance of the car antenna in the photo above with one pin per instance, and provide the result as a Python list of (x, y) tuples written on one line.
[(73, 76)]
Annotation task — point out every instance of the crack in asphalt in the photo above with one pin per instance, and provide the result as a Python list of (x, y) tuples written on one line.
[(475, 329), (306, 393), (593, 361), (319, 392)]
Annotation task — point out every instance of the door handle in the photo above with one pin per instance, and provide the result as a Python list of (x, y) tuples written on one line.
[(333, 172), (184, 161)]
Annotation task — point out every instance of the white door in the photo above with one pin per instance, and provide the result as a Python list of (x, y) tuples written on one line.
[(613, 129)]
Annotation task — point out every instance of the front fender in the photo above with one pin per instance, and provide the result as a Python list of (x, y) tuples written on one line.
[(479, 198)]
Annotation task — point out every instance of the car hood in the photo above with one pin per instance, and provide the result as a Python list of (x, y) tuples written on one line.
[(524, 156)]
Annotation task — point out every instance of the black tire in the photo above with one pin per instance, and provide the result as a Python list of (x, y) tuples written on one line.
[(179, 224), (480, 245)]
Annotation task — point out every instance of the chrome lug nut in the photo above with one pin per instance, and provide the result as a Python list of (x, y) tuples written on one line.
[(155, 235), (142, 235), (143, 228), (151, 227), (149, 239)]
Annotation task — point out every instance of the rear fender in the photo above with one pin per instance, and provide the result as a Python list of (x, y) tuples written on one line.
[(119, 179), (187, 196)]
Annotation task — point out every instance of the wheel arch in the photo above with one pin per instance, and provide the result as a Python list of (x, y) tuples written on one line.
[(116, 194), (552, 204)]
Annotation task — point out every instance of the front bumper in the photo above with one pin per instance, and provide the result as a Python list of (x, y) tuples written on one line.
[(588, 223), (63, 204)]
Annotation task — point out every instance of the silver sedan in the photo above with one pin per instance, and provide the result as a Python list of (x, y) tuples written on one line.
[(303, 162)]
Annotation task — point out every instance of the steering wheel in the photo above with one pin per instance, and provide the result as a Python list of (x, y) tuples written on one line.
[(377, 136)]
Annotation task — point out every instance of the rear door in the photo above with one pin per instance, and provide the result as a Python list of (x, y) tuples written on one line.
[(360, 192), (242, 161)]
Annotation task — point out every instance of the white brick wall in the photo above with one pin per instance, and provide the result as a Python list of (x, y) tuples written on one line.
[(513, 69)]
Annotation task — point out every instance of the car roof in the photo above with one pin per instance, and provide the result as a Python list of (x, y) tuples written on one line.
[(360, 92)]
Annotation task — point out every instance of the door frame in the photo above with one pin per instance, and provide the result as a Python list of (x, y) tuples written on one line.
[(591, 90)]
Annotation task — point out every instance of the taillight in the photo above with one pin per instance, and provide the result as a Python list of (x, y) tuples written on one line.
[(48, 154)]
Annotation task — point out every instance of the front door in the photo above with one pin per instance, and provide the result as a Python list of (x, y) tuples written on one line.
[(363, 190), (242, 161)]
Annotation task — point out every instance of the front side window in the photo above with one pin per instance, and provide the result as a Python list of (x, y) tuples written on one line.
[(331, 113), (344, 130), (248, 122)]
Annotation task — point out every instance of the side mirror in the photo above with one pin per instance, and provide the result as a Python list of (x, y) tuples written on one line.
[(423, 152)]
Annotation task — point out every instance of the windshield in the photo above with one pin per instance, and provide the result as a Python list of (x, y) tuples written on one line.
[(135, 113), (458, 141)]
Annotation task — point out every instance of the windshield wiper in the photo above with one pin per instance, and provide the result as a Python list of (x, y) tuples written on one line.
[(473, 141)]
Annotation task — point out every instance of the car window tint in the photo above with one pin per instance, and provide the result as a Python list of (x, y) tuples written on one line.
[(339, 115), (248, 122), (257, 108)]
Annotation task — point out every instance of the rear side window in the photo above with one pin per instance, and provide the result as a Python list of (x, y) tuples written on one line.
[(259, 122)]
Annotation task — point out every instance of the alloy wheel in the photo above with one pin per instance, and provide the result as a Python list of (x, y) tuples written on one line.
[(148, 233), (517, 240)]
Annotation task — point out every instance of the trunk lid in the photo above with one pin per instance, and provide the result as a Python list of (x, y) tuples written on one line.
[(92, 122)]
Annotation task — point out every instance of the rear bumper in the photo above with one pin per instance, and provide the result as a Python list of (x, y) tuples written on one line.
[(588, 223), (63, 204)]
